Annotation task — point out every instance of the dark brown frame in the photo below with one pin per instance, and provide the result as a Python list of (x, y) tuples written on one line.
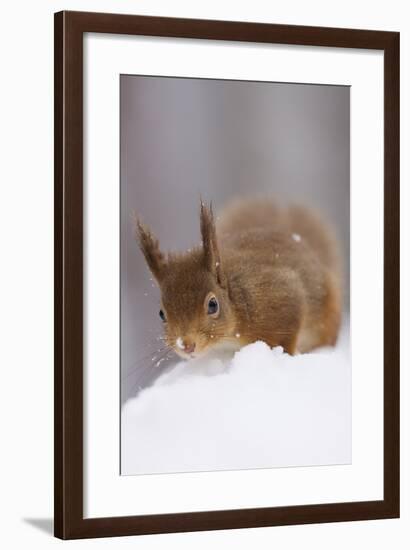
[(68, 65)]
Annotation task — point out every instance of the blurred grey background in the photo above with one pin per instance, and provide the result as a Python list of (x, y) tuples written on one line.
[(182, 138)]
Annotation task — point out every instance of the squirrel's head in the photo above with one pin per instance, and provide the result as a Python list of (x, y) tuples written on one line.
[(195, 306)]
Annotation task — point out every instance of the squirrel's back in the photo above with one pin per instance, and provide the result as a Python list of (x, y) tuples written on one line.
[(286, 257)]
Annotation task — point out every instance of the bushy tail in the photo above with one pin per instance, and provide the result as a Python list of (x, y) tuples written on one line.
[(246, 213), (319, 234)]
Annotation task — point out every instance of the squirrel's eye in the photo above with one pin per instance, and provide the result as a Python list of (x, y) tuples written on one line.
[(213, 306), (162, 315)]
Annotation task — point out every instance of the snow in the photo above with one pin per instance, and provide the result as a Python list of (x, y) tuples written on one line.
[(259, 408)]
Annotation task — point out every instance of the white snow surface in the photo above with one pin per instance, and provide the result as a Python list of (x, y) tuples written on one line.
[(259, 408)]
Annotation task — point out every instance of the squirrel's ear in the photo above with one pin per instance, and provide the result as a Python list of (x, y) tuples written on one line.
[(210, 245), (149, 246)]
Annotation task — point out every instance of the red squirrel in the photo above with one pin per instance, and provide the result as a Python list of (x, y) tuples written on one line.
[(262, 272)]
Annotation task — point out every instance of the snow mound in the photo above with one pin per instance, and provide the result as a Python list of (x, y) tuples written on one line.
[(260, 408)]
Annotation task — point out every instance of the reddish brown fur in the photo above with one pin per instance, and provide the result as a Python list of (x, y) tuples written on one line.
[(270, 285)]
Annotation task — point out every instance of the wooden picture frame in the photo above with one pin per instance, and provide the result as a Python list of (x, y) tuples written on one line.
[(69, 30)]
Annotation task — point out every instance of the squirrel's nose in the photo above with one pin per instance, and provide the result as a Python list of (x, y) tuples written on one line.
[(189, 347)]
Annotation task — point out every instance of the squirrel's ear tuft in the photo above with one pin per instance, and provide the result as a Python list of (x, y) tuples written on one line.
[(212, 258), (149, 246)]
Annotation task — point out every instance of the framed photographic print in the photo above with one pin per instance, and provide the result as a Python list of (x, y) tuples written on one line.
[(226, 275)]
